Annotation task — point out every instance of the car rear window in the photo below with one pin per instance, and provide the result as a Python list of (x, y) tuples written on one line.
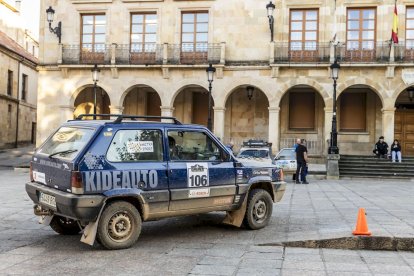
[(254, 153), (67, 142), (287, 154)]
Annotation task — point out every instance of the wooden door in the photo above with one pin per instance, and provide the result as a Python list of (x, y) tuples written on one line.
[(404, 130)]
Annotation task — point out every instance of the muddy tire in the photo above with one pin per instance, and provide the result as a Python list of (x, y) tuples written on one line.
[(119, 226), (64, 226), (259, 209)]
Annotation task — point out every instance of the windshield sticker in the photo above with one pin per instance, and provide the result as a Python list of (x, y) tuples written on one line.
[(39, 177), (140, 146), (204, 192), (197, 175), (130, 179)]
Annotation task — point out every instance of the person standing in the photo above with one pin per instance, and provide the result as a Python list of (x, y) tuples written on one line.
[(301, 160), (396, 150)]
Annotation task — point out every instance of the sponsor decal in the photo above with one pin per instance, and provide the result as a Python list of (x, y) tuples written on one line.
[(197, 174), (140, 146), (39, 177), (203, 192), (50, 164), (129, 179), (107, 133), (223, 201), (261, 172)]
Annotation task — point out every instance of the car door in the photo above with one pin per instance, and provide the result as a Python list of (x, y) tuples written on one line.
[(201, 174)]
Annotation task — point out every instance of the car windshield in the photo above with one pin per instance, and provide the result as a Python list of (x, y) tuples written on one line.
[(287, 154), (254, 153), (67, 142)]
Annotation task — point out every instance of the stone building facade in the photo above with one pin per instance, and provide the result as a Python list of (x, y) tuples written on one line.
[(153, 55), (18, 81)]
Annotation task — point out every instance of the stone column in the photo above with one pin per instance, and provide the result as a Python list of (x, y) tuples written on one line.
[(167, 111), (60, 54), (165, 53), (388, 124), (116, 109), (272, 52), (332, 166), (274, 128), (392, 52), (219, 121), (327, 129), (113, 53), (66, 112)]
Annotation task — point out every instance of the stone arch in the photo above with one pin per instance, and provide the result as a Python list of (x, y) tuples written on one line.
[(140, 99), (83, 103), (236, 84), (131, 84), (182, 85), (82, 87), (374, 86), (130, 88), (397, 92), (284, 88)]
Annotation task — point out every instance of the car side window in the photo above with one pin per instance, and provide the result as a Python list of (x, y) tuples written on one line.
[(136, 145), (193, 145)]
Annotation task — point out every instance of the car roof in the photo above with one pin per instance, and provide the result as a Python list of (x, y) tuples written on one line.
[(129, 124)]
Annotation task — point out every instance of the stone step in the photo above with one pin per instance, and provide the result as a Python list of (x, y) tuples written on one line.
[(375, 174), (376, 166)]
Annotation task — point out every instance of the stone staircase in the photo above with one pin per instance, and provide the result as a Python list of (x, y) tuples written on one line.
[(372, 167)]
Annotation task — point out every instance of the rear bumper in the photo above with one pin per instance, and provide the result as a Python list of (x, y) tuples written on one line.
[(79, 207)]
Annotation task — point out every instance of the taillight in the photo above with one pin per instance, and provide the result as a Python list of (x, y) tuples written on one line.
[(282, 175), (31, 172), (76, 182)]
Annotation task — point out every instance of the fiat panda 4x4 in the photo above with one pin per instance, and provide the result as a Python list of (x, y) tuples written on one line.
[(103, 178)]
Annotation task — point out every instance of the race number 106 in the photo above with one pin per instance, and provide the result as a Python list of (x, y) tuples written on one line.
[(198, 180)]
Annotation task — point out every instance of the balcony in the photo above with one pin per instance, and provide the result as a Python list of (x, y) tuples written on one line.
[(404, 52), (301, 52), (75, 54), (147, 54), (379, 52)]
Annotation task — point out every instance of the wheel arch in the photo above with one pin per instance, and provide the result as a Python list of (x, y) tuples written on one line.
[(267, 186), (135, 200)]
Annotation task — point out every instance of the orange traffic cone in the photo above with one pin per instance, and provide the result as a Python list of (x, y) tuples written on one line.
[(361, 228)]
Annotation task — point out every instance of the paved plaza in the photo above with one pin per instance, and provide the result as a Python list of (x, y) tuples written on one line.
[(202, 245)]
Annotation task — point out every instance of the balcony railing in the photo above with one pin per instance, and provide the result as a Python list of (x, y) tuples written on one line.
[(86, 54), (138, 54), (302, 52), (193, 53), (404, 52), (377, 52)]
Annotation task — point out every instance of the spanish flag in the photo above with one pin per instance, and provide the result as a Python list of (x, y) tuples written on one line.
[(394, 34)]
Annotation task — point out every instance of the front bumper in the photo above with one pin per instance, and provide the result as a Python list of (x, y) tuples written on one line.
[(279, 189), (79, 207)]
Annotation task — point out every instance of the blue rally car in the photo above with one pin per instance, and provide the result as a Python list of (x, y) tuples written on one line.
[(103, 178)]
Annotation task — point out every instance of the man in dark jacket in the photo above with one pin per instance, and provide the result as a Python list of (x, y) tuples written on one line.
[(381, 148), (301, 160)]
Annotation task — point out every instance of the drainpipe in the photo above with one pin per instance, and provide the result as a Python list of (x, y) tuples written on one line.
[(18, 103)]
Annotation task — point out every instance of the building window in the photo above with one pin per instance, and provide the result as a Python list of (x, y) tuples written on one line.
[(302, 110), (24, 87), (10, 83), (194, 31), (93, 38), (361, 29), (143, 32), (409, 33), (353, 112), (303, 30)]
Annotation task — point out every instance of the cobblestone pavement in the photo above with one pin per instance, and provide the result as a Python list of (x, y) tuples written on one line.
[(201, 245)]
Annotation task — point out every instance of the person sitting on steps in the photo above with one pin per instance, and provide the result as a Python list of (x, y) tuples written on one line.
[(381, 148), (396, 150)]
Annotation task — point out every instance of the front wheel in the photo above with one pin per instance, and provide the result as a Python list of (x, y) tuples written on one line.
[(119, 226), (65, 226), (259, 209)]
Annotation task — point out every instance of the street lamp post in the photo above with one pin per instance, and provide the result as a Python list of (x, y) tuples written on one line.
[(210, 77), (95, 78), (333, 147), (57, 30), (270, 8)]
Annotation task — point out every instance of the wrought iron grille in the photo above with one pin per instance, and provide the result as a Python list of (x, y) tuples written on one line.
[(86, 54), (307, 52), (137, 54), (378, 52), (404, 52), (194, 53)]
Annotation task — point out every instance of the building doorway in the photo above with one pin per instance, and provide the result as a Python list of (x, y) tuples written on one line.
[(404, 122)]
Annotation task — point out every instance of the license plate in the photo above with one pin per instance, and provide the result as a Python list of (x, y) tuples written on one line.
[(47, 199)]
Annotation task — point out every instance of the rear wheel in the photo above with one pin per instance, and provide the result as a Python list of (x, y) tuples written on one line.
[(65, 226), (259, 209), (119, 226)]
